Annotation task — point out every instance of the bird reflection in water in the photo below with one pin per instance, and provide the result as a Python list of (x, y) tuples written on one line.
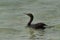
[(35, 34)]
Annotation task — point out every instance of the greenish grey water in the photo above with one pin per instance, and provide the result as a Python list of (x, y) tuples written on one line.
[(13, 20)]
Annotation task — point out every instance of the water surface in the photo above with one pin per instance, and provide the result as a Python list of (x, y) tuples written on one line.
[(13, 20)]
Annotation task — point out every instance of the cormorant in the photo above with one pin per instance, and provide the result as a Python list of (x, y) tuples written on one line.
[(37, 25)]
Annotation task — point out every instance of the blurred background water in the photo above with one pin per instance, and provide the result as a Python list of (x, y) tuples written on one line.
[(13, 20)]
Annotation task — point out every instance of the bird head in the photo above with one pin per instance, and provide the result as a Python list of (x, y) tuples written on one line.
[(29, 14)]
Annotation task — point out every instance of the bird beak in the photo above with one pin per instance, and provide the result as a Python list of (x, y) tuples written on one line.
[(25, 13)]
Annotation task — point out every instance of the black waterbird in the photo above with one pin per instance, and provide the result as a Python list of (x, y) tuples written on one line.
[(37, 25)]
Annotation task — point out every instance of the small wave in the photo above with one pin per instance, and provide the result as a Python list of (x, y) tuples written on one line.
[(9, 31)]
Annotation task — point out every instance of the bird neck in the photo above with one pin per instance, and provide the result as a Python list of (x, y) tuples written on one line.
[(31, 19)]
